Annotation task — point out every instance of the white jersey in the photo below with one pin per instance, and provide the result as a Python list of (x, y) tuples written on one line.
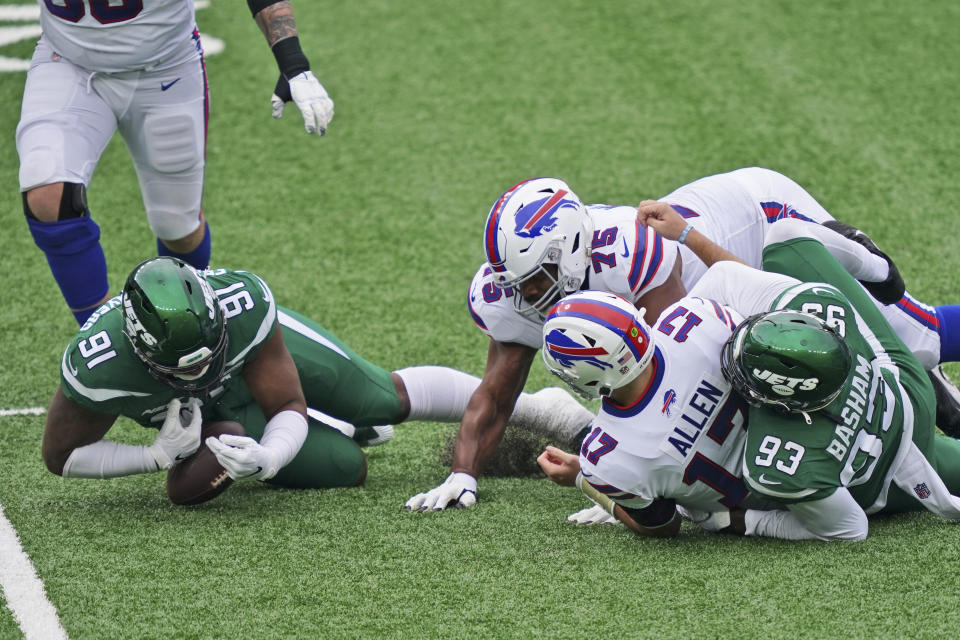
[(684, 438), (112, 37), (733, 209)]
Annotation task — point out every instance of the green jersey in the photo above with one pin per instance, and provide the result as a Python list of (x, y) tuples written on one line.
[(101, 372), (858, 440)]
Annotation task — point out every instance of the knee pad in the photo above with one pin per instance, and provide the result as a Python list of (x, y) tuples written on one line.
[(76, 259), (73, 203)]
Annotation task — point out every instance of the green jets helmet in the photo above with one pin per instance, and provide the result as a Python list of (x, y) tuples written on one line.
[(788, 360), (175, 324)]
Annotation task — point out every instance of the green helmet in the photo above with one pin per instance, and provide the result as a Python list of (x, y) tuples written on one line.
[(787, 360), (175, 324)]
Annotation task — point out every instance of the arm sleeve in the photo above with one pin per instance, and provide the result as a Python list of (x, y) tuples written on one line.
[(284, 434), (836, 517), (108, 459), (747, 290)]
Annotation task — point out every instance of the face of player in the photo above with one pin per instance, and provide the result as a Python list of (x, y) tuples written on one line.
[(536, 286)]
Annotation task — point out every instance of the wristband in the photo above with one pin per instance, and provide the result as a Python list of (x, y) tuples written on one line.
[(290, 57), (683, 234)]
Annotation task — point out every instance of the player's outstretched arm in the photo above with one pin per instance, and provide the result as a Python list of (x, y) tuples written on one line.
[(297, 82), (74, 447), (481, 428)]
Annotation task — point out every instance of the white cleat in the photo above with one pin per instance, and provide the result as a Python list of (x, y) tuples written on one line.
[(559, 414)]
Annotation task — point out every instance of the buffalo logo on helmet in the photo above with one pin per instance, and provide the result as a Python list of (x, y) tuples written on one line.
[(539, 217), (566, 351)]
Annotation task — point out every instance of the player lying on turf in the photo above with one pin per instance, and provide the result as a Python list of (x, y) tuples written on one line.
[(542, 242), (217, 344), (843, 425)]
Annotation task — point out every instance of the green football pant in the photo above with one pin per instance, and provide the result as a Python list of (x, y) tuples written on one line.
[(335, 381)]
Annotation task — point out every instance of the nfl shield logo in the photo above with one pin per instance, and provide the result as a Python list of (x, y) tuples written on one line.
[(922, 491)]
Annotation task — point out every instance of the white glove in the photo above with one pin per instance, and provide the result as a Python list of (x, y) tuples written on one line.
[(312, 100), (458, 490), (177, 440), (706, 520), (592, 515), (244, 457)]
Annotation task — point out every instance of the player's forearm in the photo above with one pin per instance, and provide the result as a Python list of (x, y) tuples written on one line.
[(275, 19), (284, 435), (480, 433), (108, 459)]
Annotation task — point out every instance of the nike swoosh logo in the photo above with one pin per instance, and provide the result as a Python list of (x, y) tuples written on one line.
[(763, 480), (165, 86), (626, 251)]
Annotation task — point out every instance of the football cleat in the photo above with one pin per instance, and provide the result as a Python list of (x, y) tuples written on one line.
[(948, 402), (560, 415), (373, 436), (888, 291)]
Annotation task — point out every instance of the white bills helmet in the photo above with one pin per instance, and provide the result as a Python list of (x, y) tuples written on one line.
[(535, 223), (596, 342)]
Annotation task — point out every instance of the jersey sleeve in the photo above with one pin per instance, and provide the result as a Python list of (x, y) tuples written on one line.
[(493, 312), (99, 371), (250, 311), (626, 258)]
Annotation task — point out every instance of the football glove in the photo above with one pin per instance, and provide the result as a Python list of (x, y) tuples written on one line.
[(458, 490), (311, 98), (180, 434), (592, 515), (706, 520), (243, 457)]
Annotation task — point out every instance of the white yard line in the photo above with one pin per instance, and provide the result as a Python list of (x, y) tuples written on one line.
[(24, 591), (25, 411)]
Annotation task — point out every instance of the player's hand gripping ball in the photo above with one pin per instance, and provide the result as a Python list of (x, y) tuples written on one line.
[(200, 477)]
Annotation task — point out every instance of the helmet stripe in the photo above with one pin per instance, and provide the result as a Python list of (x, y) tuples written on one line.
[(493, 223), (545, 209), (608, 316)]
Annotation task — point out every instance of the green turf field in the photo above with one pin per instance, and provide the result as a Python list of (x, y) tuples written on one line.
[(376, 232)]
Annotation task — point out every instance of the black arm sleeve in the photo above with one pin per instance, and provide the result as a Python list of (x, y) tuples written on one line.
[(256, 6), (660, 512)]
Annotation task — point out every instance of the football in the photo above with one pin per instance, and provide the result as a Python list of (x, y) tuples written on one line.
[(200, 477)]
